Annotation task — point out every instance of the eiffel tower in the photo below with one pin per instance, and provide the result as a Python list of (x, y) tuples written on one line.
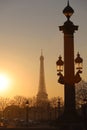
[(42, 95)]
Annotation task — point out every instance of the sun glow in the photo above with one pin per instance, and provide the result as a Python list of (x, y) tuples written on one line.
[(4, 82)]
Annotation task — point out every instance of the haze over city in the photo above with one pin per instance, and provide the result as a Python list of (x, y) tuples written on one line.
[(26, 27)]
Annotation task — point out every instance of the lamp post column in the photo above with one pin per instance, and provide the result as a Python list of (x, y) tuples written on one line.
[(68, 29), (70, 78), (70, 119)]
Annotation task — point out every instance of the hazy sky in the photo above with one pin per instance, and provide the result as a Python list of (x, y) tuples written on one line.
[(26, 27)]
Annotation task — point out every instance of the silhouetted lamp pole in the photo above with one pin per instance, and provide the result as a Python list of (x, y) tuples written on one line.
[(27, 108), (59, 107), (70, 77)]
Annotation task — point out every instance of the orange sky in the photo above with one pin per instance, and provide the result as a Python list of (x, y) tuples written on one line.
[(28, 26)]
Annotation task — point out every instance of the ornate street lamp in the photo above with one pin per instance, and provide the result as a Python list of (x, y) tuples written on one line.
[(78, 62), (68, 11), (27, 108), (59, 64), (69, 78)]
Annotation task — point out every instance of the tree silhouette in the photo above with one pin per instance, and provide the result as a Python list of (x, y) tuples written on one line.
[(81, 93)]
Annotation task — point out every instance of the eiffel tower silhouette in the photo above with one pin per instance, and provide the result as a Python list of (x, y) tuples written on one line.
[(42, 95)]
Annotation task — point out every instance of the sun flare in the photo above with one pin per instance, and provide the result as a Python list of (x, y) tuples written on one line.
[(4, 82)]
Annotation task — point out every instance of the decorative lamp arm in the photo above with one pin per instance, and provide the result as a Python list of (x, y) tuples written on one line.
[(77, 77), (61, 78)]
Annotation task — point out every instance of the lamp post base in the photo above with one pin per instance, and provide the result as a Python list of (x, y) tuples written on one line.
[(70, 121)]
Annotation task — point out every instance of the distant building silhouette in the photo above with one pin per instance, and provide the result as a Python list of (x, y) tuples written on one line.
[(42, 95)]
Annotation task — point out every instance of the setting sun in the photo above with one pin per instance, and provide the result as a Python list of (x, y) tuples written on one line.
[(4, 82)]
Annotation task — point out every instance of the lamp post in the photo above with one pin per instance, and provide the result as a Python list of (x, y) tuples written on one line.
[(59, 107), (70, 77), (27, 108)]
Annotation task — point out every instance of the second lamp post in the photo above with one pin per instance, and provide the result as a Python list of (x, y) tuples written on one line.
[(27, 112)]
